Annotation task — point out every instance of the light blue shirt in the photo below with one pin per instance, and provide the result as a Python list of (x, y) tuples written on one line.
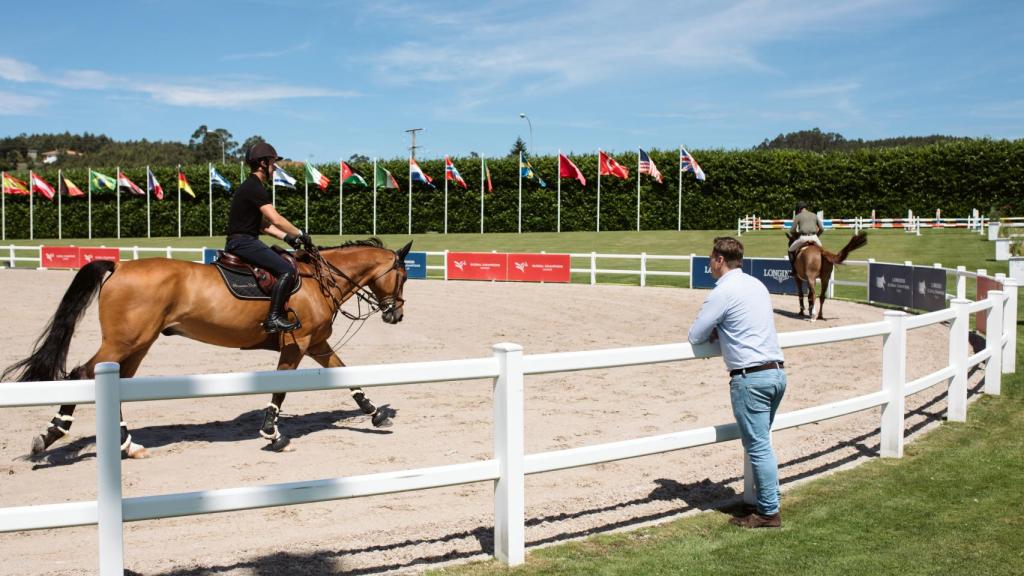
[(741, 309)]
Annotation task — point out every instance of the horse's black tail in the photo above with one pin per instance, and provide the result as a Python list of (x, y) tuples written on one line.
[(48, 358), (859, 239)]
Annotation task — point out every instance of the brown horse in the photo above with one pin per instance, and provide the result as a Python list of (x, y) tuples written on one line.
[(815, 263), (191, 300)]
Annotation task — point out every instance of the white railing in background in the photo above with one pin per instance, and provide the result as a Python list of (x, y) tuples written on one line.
[(910, 223), (508, 367), (10, 254)]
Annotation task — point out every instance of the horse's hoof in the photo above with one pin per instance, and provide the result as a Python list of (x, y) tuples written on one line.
[(280, 444), (38, 445), (136, 452), (381, 420)]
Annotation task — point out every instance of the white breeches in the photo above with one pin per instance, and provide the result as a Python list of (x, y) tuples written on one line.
[(802, 240)]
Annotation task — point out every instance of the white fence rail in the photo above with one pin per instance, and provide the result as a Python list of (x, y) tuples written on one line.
[(508, 367)]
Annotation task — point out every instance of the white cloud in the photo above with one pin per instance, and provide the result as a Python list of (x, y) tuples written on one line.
[(270, 54), (19, 104), (197, 92)]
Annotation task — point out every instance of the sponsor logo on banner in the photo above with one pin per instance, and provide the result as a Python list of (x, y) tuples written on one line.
[(930, 288), (477, 266), (539, 268), (776, 275), (87, 255), (210, 255), (891, 284), (416, 264), (59, 257)]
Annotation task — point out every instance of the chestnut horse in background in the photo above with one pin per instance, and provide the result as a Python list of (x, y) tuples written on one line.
[(188, 299), (815, 263)]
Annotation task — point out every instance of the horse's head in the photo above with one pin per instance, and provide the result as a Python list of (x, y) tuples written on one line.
[(387, 284)]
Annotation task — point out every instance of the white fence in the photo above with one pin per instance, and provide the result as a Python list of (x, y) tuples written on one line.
[(910, 223), (508, 367)]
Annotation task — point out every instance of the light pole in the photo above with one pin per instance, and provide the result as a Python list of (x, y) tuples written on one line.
[(523, 115)]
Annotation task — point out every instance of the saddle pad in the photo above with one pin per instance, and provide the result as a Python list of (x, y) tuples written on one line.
[(243, 284)]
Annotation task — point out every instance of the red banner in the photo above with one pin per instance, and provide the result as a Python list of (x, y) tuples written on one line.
[(59, 257), (477, 266), (87, 255), (539, 268), (984, 286)]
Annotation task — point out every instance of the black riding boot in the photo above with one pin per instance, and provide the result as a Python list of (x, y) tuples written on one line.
[(277, 321)]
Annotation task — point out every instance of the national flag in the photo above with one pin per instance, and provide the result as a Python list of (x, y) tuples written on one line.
[(72, 190), (487, 175), (647, 166), (124, 182), (100, 181), (282, 178), (218, 180), (348, 176), (314, 175), (152, 184), (526, 171), (36, 183), (687, 163), (183, 183), (566, 169), (609, 167), (12, 185), (418, 175), (452, 173), (385, 179)]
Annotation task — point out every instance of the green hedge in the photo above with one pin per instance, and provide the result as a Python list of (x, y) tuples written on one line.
[(953, 177)]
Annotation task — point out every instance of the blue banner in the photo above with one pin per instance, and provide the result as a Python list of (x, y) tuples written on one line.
[(416, 264), (891, 284), (700, 273), (776, 275), (209, 255)]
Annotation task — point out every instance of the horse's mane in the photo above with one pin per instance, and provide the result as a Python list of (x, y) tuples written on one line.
[(372, 242)]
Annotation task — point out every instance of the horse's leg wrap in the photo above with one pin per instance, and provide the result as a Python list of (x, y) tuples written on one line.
[(269, 429), (127, 446), (364, 403), (59, 427)]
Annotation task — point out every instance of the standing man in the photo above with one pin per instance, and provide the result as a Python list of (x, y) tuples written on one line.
[(252, 213), (806, 227), (738, 313)]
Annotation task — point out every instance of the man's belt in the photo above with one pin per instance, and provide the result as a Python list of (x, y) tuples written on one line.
[(809, 234), (752, 369)]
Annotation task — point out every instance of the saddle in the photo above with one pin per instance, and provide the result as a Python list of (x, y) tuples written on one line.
[(249, 282)]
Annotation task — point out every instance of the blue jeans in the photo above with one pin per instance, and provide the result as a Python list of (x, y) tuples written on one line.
[(755, 398), (256, 253)]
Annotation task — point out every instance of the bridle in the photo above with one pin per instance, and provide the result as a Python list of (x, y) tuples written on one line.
[(326, 275)]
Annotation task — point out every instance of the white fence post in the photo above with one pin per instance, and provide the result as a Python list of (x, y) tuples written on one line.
[(108, 468), (956, 401), (135, 252), (894, 378), (593, 268), (445, 264), (510, 488), (1010, 326), (961, 282), (643, 269), (994, 343)]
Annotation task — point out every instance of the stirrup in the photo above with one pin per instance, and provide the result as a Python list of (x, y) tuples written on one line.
[(275, 324)]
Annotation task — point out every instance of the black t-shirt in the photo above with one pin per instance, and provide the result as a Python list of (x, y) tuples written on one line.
[(245, 216)]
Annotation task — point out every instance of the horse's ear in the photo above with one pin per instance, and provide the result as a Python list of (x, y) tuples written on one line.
[(405, 250)]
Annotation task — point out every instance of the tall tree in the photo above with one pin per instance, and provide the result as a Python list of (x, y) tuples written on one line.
[(518, 147)]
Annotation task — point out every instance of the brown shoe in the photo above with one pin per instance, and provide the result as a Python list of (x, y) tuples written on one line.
[(755, 520)]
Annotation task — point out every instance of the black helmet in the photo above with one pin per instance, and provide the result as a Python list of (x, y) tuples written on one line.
[(259, 151), (801, 205)]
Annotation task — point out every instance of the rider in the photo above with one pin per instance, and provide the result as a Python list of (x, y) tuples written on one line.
[(252, 213), (808, 226)]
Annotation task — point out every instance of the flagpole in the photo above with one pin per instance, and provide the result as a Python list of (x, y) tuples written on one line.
[(341, 197), (117, 189), (598, 229), (3, 203), (209, 192), (374, 196), (60, 182), (90, 203), (306, 179), (446, 194), (483, 182), (179, 200), (558, 212), (410, 197), (520, 192), (31, 209), (149, 229), (638, 190), (679, 201)]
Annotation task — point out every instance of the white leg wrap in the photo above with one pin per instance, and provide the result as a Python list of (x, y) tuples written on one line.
[(65, 417)]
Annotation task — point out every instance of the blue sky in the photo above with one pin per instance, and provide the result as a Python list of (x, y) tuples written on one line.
[(324, 80)]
